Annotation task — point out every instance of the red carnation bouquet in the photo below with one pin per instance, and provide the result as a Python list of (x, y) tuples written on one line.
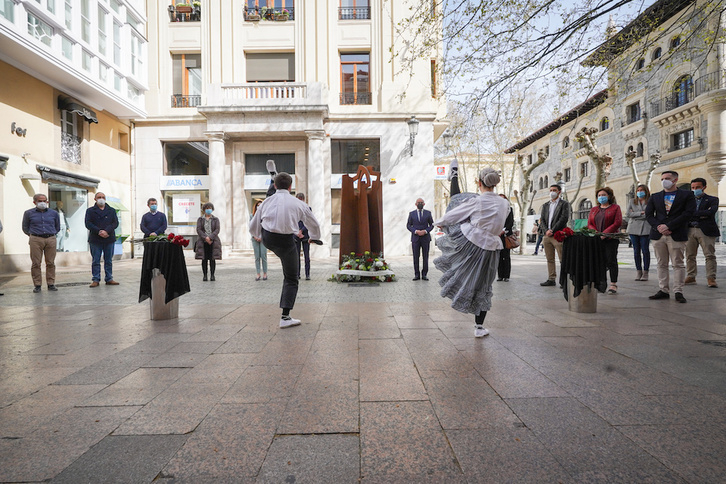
[(561, 235), (171, 238)]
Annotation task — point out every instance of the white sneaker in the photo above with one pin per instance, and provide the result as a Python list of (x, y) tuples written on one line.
[(271, 168), (286, 323), (480, 331)]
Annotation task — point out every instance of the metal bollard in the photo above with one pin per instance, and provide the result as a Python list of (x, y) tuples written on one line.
[(586, 302), (159, 309)]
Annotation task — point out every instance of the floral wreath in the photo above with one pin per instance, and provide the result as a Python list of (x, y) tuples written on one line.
[(355, 268)]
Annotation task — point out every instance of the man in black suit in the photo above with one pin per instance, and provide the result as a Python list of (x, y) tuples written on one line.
[(668, 213), (554, 217), (703, 231), (420, 223)]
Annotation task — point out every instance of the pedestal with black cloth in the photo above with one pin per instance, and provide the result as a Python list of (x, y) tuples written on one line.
[(583, 272), (163, 278)]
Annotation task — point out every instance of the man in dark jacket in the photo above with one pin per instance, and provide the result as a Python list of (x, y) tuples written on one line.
[(668, 213), (553, 218), (703, 231), (420, 223), (101, 222)]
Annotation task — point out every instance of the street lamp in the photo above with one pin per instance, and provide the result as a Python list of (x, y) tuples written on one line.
[(447, 139), (412, 131)]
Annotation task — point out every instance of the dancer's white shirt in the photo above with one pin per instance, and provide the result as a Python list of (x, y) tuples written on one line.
[(482, 219), (280, 214)]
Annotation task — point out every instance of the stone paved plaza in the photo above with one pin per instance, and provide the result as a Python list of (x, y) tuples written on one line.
[(379, 384)]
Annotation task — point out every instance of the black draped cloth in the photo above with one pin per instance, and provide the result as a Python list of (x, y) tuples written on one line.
[(583, 261), (169, 259)]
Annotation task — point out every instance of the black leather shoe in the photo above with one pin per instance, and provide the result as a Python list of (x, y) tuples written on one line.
[(52, 287), (547, 283), (211, 278), (425, 278), (416, 278), (36, 289), (661, 295), (680, 298), (204, 278)]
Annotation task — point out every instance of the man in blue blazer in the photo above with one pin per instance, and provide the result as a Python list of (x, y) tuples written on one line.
[(668, 213), (703, 231), (420, 224)]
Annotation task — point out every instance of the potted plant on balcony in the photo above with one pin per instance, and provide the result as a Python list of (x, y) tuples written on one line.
[(183, 8), (282, 16), (267, 13), (253, 15), (197, 11)]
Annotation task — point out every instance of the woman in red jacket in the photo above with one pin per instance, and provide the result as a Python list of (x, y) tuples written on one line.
[(607, 218)]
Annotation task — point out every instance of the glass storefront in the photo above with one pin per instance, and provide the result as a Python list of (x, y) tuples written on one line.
[(71, 204)]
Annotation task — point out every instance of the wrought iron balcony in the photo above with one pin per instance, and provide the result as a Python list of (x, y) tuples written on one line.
[(182, 101), (190, 13), (356, 98), (281, 14), (71, 148), (354, 13)]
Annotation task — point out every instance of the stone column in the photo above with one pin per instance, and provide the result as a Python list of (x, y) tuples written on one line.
[(715, 112), (318, 174), (218, 186)]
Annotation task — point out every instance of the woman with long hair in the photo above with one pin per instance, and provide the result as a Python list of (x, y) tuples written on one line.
[(259, 248), (470, 249), (607, 218), (639, 231)]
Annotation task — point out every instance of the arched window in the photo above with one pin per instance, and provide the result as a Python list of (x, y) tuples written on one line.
[(640, 150), (584, 209), (604, 123), (657, 53), (541, 181), (675, 42), (546, 181), (683, 90), (566, 142), (640, 64), (630, 148)]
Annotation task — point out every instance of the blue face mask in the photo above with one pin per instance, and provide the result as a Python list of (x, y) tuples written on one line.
[(641, 194), (698, 192), (208, 211), (153, 208), (602, 199)]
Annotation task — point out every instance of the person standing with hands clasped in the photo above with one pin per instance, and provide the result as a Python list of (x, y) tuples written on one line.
[(420, 224), (276, 222), (101, 222), (470, 251), (208, 246), (702, 231), (153, 222), (668, 213), (607, 218), (41, 224), (639, 232), (554, 217)]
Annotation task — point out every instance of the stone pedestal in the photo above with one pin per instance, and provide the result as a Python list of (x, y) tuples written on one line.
[(586, 302), (159, 309)]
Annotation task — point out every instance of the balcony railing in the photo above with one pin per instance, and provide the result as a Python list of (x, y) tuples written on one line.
[(281, 14), (267, 90), (185, 14), (71, 148), (355, 98), (182, 101), (704, 84), (354, 13)]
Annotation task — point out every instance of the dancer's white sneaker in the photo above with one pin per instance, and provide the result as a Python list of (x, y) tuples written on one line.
[(480, 331), (286, 323)]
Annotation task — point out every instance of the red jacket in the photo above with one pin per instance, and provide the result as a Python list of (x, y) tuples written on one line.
[(613, 219)]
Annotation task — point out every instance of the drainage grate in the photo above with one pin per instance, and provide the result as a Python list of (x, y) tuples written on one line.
[(71, 284), (713, 342)]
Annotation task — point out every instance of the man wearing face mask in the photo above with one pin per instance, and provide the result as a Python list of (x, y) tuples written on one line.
[(420, 224), (101, 222), (668, 213), (702, 230), (41, 224), (554, 217), (153, 222)]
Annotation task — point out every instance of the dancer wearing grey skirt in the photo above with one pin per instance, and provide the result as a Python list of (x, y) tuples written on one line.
[(470, 249)]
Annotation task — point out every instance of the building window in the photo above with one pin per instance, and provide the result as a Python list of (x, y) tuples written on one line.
[(529, 159), (134, 94), (103, 73), (271, 67), (71, 204), (269, 9), (675, 42), (69, 14), (657, 53), (546, 181), (347, 154), (187, 80), (40, 30), (117, 81), (86, 21), (7, 9), (604, 123), (355, 79), (67, 47), (354, 10), (433, 78), (681, 140), (547, 150), (568, 174), (541, 183), (584, 169), (633, 112), (639, 151), (190, 158), (584, 209), (683, 91), (101, 31), (117, 44), (86, 61), (566, 142), (640, 64), (116, 6), (137, 63), (71, 126), (256, 164)]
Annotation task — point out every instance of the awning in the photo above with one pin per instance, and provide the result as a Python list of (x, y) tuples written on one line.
[(48, 173), (68, 104), (118, 206)]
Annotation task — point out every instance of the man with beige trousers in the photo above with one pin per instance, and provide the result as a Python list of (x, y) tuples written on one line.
[(554, 217), (41, 224)]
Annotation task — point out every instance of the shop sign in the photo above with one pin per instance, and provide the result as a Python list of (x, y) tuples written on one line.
[(185, 182), (440, 172), (185, 207)]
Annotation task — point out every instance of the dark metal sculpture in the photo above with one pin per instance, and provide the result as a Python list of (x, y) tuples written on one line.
[(361, 217)]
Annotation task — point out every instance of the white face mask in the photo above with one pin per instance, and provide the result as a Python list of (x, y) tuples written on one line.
[(101, 202), (42, 205), (554, 195), (667, 184)]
